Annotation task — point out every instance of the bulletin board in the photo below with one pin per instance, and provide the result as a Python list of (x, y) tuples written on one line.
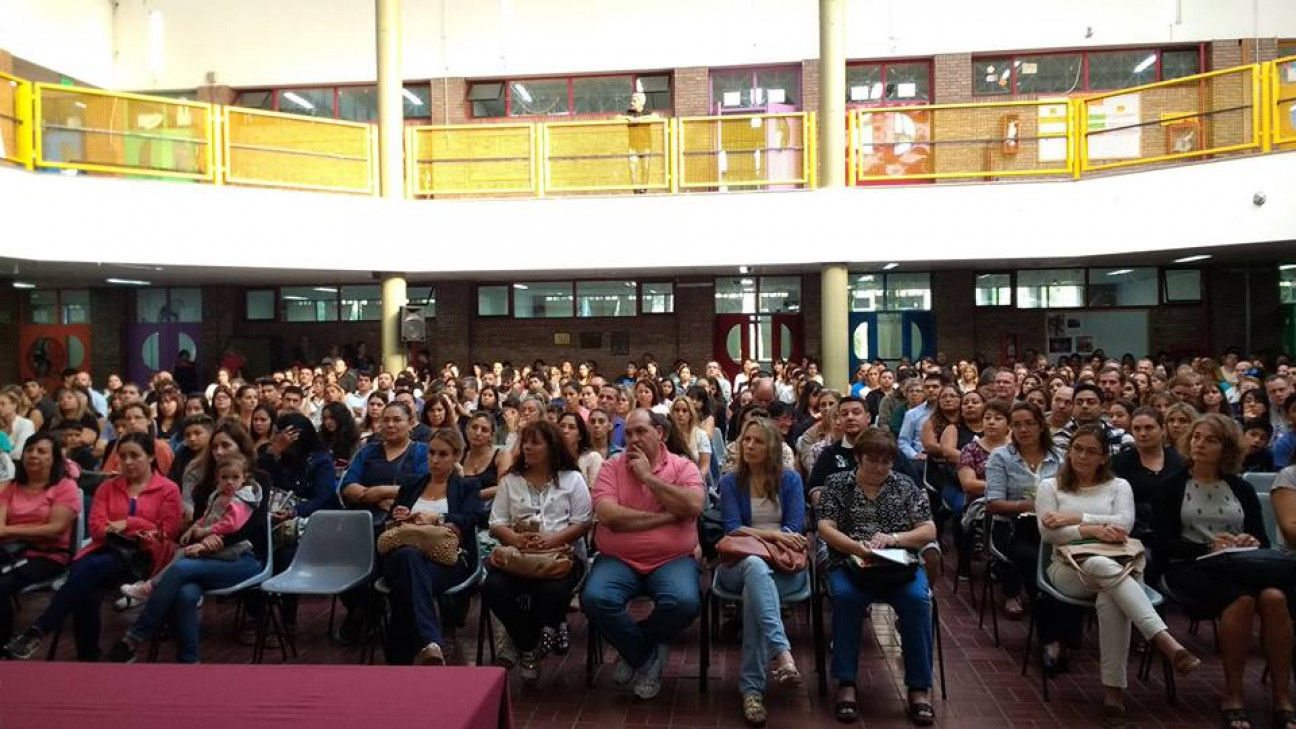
[(1082, 332)]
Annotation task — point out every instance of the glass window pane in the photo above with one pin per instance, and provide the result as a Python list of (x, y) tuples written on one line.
[(309, 303), (658, 298), (604, 94), (657, 89), (42, 307), (994, 289), (1183, 284), (605, 298), (255, 99), (186, 305), (358, 103), (908, 82), (780, 294), (542, 300), (992, 76), (908, 291), (487, 99), (731, 89), (492, 300), (1122, 69), (735, 296), (1122, 287), (867, 292), (424, 296), (76, 306), (415, 101), (538, 97), (1287, 283), (1060, 73), (1177, 64), (151, 306), (864, 83), (310, 102), (777, 86), (260, 305), (1050, 288), (362, 303)]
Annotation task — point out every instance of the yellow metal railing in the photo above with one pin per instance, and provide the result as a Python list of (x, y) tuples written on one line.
[(471, 159), (1282, 95), (273, 149), (15, 120), (954, 141), (107, 131), (769, 151), (604, 156), (1195, 116)]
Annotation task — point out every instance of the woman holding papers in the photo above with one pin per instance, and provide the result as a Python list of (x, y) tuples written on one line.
[(1212, 548), (873, 508), (1086, 503)]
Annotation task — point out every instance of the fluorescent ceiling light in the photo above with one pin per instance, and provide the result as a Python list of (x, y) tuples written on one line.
[(1190, 259), (521, 91), (1120, 272), (290, 297), (23, 285), (127, 282), (747, 282), (299, 101), (866, 278), (1284, 267), (326, 289), (524, 287), (411, 98), (1145, 64), (744, 269), (890, 266)]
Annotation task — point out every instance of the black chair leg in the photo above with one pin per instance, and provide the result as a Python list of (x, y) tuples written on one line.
[(483, 628), (592, 657), (820, 644), (940, 647), (704, 662), (1030, 635)]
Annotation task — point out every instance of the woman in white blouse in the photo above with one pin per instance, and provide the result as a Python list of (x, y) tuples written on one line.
[(576, 440), (543, 503), (1085, 502)]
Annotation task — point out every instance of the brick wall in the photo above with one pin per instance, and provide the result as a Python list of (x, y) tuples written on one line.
[(952, 78), (447, 101), (109, 312), (10, 317), (953, 293), (810, 85), (692, 91)]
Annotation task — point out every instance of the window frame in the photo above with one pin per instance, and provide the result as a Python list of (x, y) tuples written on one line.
[(507, 81), (60, 308), (1013, 57), (752, 70), (1164, 295), (135, 314), (1048, 306), (1012, 289), (1090, 278), (758, 290), (884, 65), (573, 283), (276, 91), (884, 286), (274, 292)]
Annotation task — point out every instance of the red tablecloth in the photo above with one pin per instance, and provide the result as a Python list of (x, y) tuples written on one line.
[(36, 695)]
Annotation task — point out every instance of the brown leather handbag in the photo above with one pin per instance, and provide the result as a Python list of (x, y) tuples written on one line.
[(736, 547), (533, 564), (437, 542)]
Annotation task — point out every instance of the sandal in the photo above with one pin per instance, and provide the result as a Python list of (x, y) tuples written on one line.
[(922, 713), (1185, 662), (754, 709), (1013, 608), (847, 710), (1284, 718), (787, 674), (1235, 718)]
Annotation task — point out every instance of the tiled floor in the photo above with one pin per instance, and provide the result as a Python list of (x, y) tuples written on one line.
[(986, 688)]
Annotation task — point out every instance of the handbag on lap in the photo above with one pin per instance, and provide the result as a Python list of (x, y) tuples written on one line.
[(733, 548)]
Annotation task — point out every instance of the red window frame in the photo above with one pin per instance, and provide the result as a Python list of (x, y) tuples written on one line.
[(1084, 53), (931, 84), (276, 91), (571, 94), (712, 108)]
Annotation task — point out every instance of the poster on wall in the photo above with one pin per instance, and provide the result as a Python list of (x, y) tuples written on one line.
[(1059, 345), (1120, 115), (1085, 332), (893, 142), (1052, 132)]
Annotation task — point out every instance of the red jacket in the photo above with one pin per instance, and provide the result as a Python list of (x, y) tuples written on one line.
[(157, 510)]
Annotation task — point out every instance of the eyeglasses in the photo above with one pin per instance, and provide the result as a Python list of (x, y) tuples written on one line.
[(1083, 451)]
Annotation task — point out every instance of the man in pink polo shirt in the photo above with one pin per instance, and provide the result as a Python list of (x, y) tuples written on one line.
[(647, 502)]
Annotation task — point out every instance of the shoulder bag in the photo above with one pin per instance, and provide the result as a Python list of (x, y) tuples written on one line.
[(875, 574), (1129, 554), (736, 547)]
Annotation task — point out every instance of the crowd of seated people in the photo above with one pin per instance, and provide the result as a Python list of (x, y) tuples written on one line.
[(597, 484)]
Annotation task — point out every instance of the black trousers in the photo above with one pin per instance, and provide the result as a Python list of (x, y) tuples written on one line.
[(527, 606), (36, 570)]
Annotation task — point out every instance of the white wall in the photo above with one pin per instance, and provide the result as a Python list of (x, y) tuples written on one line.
[(1202, 205), (73, 37), (256, 42)]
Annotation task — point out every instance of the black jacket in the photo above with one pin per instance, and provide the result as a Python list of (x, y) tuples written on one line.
[(1167, 527), (464, 505)]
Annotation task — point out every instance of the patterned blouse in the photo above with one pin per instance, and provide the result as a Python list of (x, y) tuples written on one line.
[(899, 507), (974, 456)]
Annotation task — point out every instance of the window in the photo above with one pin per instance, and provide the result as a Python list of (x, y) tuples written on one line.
[(657, 298), (780, 294), (361, 303), (424, 296), (43, 307), (889, 83), (994, 289), (415, 99), (1181, 284), (867, 292), (307, 303), (1066, 73), (259, 305), (1287, 283), (890, 291), (748, 89), (256, 100), (1050, 288), (1122, 287), (168, 306), (562, 96), (352, 103), (75, 306), (735, 296), (309, 102), (605, 298), (542, 300), (358, 103), (492, 300)]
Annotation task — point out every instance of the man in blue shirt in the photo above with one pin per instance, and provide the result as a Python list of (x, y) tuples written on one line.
[(608, 397), (911, 429)]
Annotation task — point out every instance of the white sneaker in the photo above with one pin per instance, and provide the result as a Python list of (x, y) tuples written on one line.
[(123, 603), (506, 654), (647, 682), (138, 590)]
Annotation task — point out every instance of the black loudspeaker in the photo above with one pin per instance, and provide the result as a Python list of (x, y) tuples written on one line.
[(413, 327)]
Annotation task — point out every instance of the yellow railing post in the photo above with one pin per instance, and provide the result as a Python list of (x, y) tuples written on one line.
[(542, 157), (672, 144), (812, 151), (23, 134), (1074, 108), (1267, 70), (852, 144), (1257, 107), (215, 148)]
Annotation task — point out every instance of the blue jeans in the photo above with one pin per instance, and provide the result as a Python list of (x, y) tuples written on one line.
[(612, 584), (763, 636), (176, 594), (90, 578), (912, 606), (416, 583)]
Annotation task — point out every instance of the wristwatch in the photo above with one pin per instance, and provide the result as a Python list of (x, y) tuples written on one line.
[(895, 540)]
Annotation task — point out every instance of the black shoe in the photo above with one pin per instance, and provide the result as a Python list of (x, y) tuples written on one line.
[(25, 645), (349, 632), (121, 652), (563, 642)]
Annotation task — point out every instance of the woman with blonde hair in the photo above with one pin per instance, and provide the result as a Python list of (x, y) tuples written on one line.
[(685, 419)]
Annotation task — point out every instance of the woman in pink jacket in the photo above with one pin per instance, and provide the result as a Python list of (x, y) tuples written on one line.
[(134, 522)]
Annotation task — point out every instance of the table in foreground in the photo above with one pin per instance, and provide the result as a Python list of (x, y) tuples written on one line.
[(36, 695)]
